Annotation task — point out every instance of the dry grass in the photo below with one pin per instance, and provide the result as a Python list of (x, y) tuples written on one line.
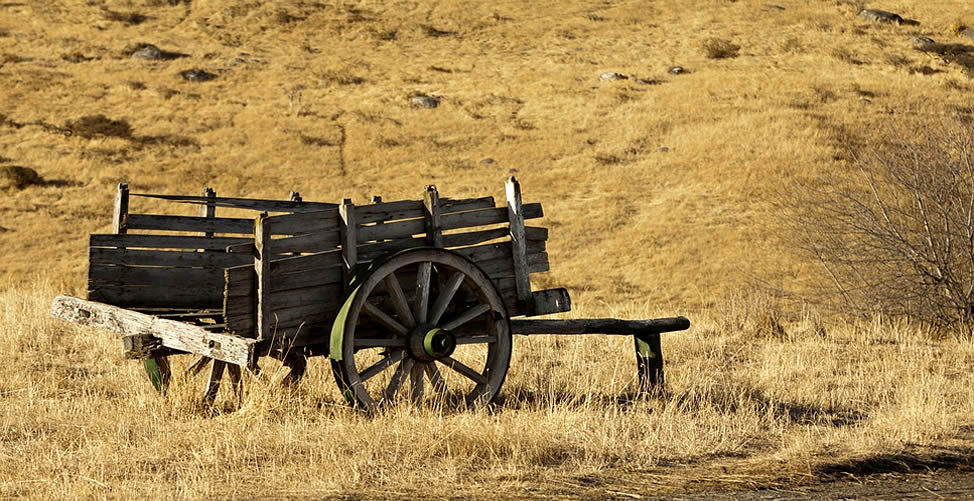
[(655, 194)]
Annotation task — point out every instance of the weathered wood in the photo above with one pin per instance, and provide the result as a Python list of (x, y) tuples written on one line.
[(484, 217), (140, 346), (134, 296), (389, 211), (256, 204), (240, 300), (318, 241), (549, 301), (165, 241), (209, 209), (349, 237), (466, 238), (235, 373), (431, 217), (372, 251), (310, 277), (190, 223), (174, 334), (599, 326), (163, 258), (213, 381), (449, 205), (121, 212), (306, 222), (322, 294), (244, 249), (210, 279), (649, 361), (303, 263), (391, 231), (262, 269), (515, 214)]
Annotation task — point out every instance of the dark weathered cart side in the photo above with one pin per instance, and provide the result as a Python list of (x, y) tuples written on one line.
[(395, 293)]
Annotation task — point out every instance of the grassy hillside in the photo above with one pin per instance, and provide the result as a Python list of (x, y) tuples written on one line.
[(659, 190)]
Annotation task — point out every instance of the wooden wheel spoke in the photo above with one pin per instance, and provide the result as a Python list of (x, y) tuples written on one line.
[(384, 319), (476, 340), (464, 370), (466, 316), (446, 295), (416, 379), (402, 372), (399, 299), (436, 379), (421, 305), (378, 342), (387, 361)]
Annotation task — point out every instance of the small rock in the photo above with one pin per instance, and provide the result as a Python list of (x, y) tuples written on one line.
[(969, 33), (3, 230), (663, 149), (676, 70), (147, 51), (773, 6), (919, 41), (487, 161), (197, 75), (611, 75), (422, 101), (15, 176), (880, 16), (649, 81)]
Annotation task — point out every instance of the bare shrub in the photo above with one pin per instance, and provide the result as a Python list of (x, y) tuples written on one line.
[(719, 48), (895, 230)]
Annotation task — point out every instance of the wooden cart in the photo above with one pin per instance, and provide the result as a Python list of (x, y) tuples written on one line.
[(418, 294)]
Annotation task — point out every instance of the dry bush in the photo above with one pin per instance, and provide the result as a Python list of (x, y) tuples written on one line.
[(15, 176), (719, 48), (895, 230)]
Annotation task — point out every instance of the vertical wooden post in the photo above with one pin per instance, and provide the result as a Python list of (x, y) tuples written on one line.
[(649, 362), (213, 382), (348, 225), (434, 230), (515, 214), (262, 268), (121, 213), (208, 209), (295, 197)]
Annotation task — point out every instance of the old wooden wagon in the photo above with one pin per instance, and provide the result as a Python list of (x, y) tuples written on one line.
[(421, 295)]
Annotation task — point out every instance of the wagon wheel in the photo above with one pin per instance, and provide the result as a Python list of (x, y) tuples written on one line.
[(424, 315)]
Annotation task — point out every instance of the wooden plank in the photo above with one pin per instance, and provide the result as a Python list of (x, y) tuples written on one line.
[(318, 241), (288, 318), (240, 281), (172, 259), (392, 231), (147, 296), (515, 214), (504, 266), (449, 205), (165, 241), (209, 209), (262, 205), (208, 279), (303, 263), (600, 326), (431, 217), (190, 223), (321, 295), (121, 211), (307, 278), (549, 301), (373, 251), (240, 300), (486, 217), (307, 222), (389, 211), (262, 269), (350, 238), (174, 334), (466, 238)]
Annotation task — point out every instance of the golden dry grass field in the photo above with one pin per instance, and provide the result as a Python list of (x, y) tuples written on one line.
[(659, 190)]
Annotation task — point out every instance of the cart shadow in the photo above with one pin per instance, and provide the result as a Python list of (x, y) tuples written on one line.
[(951, 459)]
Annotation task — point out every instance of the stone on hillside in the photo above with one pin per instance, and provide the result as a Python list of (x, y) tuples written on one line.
[(882, 16), (197, 75), (969, 33), (15, 176), (611, 75), (147, 51), (423, 101), (676, 70), (921, 41), (773, 6)]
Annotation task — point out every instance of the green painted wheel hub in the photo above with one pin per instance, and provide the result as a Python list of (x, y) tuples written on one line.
[(439, 343)]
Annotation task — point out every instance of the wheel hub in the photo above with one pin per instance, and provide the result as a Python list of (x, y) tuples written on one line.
[(431, 343)]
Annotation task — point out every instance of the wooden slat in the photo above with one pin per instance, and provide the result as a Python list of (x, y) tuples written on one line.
[(432, 212), (307, 222), (165, 241), (209, 280), (318, 241), (175, 259), (373, 251), (321, 295), (308, 278), (135, 296), (486, 217), (304, 263), (240, 300), (519, 251), (190, 223), (350, 238), (392, 231), (240, 281), (449, 206), (246, 203), (262, 272), (121, 211), (600, 326), (288, 318), (173, 334), (389, 211), (466, 238)]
